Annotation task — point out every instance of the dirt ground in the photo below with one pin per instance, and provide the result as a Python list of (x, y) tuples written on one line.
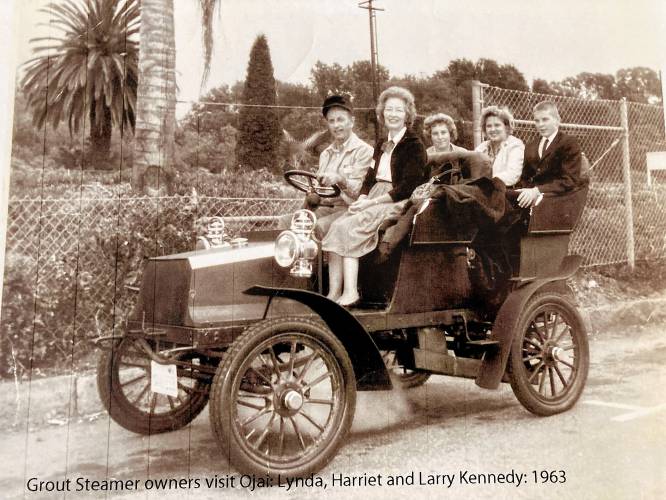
[(600, 286)]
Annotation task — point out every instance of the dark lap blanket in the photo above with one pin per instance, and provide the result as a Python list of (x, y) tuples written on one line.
[(459, 212), (454, 213)]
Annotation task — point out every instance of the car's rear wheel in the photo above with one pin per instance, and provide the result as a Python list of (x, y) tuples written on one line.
[(549, 355), (284, 397), (124, 386)]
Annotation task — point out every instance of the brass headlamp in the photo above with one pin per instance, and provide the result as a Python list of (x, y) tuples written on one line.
[(294, 247)]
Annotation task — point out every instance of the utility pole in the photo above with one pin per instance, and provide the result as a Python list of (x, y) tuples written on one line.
[(374, 57)]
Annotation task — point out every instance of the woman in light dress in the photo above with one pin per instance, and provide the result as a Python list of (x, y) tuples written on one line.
[(399, 167)]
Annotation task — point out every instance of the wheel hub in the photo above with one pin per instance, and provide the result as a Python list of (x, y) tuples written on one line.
[(292, 400), (557, 353), (288, 399), (554, 354)]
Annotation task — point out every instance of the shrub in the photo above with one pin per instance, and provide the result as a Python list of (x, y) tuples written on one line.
[(213, 150), (29, 181), (38, 316), (51, 315), (232, 183)]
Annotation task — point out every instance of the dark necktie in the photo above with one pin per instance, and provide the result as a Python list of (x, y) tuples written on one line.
[(388, 146), (543, 151)]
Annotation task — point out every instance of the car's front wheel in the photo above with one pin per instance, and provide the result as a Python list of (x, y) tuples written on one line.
[(284, 397)]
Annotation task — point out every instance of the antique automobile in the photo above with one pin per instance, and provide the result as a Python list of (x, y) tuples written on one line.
[(246, 328)]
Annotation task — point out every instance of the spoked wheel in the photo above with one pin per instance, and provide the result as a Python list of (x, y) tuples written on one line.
[(549, 356), (123, 382), (404, 377), (283, 398)]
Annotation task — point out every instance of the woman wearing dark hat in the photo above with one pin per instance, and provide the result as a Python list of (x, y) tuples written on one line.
[(400, 166)]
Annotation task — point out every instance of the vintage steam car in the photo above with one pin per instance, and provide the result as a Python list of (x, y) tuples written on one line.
[(248, 329)]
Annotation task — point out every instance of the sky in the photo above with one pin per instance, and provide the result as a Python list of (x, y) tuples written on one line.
[(543, 39)]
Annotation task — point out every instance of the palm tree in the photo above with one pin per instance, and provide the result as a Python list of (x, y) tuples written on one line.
[(154, 141), (88, 71)]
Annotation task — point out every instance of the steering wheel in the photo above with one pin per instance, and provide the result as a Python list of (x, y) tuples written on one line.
[(309, 183)]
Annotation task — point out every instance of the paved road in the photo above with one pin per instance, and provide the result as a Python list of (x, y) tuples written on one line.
[(611, 445)]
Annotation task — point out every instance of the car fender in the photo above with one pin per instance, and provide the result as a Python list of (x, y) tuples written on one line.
[(504, 328), (369, 367)]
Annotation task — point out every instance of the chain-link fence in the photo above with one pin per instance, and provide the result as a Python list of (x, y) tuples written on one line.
[(69, 262), (624, 219)]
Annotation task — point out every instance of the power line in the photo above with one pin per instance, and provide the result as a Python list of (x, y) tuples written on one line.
[(278, 106)]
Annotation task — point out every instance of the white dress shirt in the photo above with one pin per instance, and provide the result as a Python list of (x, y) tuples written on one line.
[(384, 168), (550, 138)]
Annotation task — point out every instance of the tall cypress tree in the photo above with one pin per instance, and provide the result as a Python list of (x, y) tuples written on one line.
[(259, 127)]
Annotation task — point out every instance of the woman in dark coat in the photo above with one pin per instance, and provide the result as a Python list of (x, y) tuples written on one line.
[(399, 167)]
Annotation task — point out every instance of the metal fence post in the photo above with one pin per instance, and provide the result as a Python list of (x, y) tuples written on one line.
[(626, 177), (477, 103)]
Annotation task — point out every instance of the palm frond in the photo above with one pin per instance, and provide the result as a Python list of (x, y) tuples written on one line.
[(288, 137), (85, 63), (315, 140)]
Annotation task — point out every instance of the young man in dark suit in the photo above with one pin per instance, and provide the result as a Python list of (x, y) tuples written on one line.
[(552, 163)]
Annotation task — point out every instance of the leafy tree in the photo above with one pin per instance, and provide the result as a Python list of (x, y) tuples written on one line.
[(541, 86), (328, 79), (299, 123), (511, 78), (295, 94), (259, 128), (355, 79), (210, 113), (359, 76), (639, 84), (206, 137), (459, 70), (590, 86), (87, 72), (487, 71), (212, 149)]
